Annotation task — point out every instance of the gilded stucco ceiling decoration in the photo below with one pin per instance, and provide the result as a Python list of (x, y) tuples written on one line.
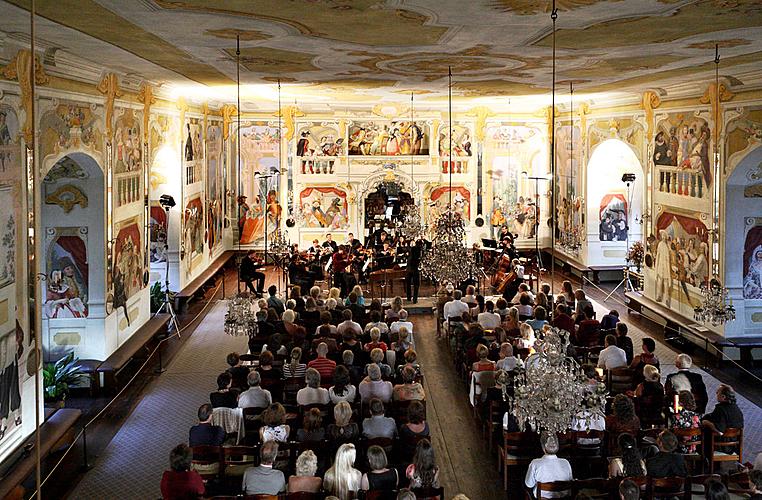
[(368, 22), (273, 61), (606, 67), (690, 20), (531, 7), (496, 88), (232, 34)]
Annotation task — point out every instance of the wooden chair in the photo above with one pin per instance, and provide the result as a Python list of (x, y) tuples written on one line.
[(207, 461), (739, 483), (692, 437), (260, 497), (596, 487), (518, 449), (377, 495), (429, 493), (666, 487), (303, 495), (697, 482), (730, 449), (494, 420), (559, 489), (621, 380), (236, 459)]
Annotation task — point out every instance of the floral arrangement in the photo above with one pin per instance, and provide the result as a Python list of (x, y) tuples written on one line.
[(635, 253)]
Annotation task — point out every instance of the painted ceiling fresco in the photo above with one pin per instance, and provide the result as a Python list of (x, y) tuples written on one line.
[(345, 50)]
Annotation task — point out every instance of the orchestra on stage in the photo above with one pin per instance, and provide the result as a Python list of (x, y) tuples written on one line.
[(384, 257)]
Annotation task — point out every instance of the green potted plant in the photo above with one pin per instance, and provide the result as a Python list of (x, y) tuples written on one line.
[(58, 377)]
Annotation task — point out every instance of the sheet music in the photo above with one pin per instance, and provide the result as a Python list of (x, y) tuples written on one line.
[(328, 265), (365, 267)]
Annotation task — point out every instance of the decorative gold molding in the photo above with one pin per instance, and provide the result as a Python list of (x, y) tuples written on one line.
[(714, 96), (66, 197), (481, 113), (390, 110), (20, 69), (650, 101), (183, 107), (205, 111), (109, 87), (228, 111), (583, 111), (289, 115), (148, 99)]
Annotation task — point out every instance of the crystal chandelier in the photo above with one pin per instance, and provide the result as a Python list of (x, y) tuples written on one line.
[(240, 319), (714, 307), (449, 260), (411, 225), (552, 389)]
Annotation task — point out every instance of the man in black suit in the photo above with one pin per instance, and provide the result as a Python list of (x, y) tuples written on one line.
[(249, 273), (329, 243), (205, 434), (413, 280), (686, 380), (667, 463), (726, 413), (353, 242)]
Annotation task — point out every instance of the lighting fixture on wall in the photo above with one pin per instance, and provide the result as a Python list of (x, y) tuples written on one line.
[(715, 307), (449, 259)]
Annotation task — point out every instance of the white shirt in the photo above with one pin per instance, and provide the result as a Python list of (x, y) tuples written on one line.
[(547, 469), (395, 328), (612, 357), (455, 309), (488, 320), (508, 364), (349, 325)]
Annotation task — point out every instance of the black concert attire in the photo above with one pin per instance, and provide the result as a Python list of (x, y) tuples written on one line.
[(359, 258), (299, 275), (354, 243), (249, 274), (413, 278), (340, 263), (332, 245)]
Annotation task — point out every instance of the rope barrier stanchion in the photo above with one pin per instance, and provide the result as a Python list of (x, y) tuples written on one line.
[(83, 432)]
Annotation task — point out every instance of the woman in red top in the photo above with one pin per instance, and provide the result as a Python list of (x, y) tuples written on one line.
[(181, 483)]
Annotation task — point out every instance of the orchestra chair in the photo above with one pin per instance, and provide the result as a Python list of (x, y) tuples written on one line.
[(730, 449), (517, 451)]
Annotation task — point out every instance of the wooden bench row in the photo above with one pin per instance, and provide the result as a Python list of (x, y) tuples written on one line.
[(55, 433), (210, 273)]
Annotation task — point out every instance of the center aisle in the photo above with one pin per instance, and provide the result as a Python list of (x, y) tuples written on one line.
[(133, 463), (462, 452)]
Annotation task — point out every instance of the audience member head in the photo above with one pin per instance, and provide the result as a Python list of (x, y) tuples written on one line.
[(324, 331), (289, 316), (631, 458), (402, 334), (614, 313), (407, 494), (506, 350), (233, 359), (376, 355), (524, 299), (651, 373), (482, 351), (715, 490), (683, 362), (549, 442), (425, 462), (416, 412), (470, 290), (290, 305), (340, 380), (342, 468), (348, 357), (374, 372), (566, 286), (560, 309), (272, 290), (310, 304), (629, 490), (457, 295), (272, 316), (296, 356), (262, 305), (545, 288), (376, 407), (411, 356), (180, 458), (610, 340), (589, 312), (541, 300), (306, 462), (579, 294), (315, 293), (312, 378), (296, 292), (346, 315), (334, 293), (376, 305), (540, 313), (376, 458), (526, 330), (253, 379), (623, 408), (667, 441), (621, 329), (330, 304), (357, 290), (397, 304), (375, 316), (266, 359), (523, 287), (403, 315), (205, 413), (649, 346), (313, 420), (726, 394), (501, 304), (408, 375), (223, 381), (352, 298), (342, 414), (375, 334), (262, 315), (268, 452), (489, 306), (274, 415), (322, 350), (686, 400)]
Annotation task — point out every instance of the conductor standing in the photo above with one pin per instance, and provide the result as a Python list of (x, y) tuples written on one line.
[(413, 278)]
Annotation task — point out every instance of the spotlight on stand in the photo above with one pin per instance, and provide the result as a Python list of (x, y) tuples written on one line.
[(166, 201), (628, 178)]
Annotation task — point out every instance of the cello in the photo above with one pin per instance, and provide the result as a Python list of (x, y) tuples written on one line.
[(503, 275)]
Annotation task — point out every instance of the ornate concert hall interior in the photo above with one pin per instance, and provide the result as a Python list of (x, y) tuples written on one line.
[(240, 233)]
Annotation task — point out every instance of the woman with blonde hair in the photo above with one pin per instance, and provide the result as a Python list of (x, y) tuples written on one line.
[(305, 480), (527, 337), (357, 290), (335, 294), (393, 313), (342, 478), (511, 322), (343, 429)]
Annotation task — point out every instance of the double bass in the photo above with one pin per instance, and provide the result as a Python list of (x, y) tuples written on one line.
[(503, 275)]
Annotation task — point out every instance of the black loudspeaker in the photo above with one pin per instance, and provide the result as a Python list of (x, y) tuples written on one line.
[(290, 222), (479, 220)]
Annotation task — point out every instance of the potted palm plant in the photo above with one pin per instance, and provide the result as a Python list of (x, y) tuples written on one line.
[(59, 377)]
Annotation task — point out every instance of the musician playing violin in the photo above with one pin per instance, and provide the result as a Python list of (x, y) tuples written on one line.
[(359, 256), (329, 243), (315, 249), (340, 263), (353, 242), (249, 273)]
